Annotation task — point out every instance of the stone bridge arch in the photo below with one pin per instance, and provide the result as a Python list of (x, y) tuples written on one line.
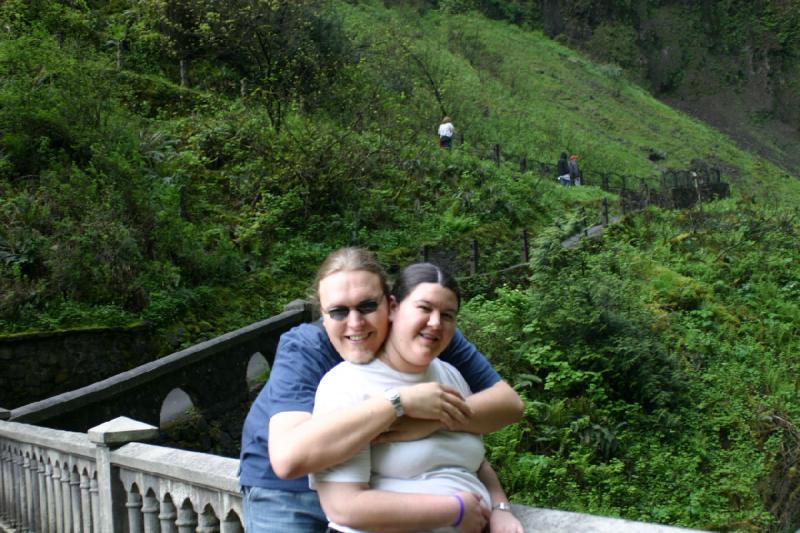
[(214, 374)]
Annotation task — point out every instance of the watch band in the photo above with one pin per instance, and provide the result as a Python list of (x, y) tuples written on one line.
[(393, 395), (502, 506)]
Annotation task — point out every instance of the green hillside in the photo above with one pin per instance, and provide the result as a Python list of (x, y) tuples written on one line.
[(657, 362)]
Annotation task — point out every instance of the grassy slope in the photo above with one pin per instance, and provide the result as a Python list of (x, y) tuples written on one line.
[(542, 98)]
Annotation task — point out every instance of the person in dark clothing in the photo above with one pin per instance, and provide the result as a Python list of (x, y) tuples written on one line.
[(574, 170), (562, 170)]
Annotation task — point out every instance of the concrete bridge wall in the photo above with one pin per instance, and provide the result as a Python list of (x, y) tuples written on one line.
[(212, 373)]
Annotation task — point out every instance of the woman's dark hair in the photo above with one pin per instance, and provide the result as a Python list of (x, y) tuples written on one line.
[(563, 155), (417, 273)]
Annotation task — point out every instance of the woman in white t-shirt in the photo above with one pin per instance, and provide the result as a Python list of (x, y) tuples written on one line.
[(423, 309), (446, 132)]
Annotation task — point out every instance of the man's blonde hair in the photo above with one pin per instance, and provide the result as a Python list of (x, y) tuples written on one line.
[(349, 258)]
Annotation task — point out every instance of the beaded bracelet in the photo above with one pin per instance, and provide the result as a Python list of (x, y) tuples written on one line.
[(460, 511)]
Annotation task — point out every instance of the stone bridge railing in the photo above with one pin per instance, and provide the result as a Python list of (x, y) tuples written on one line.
[(54, 481), (212, 374), (65, 482)]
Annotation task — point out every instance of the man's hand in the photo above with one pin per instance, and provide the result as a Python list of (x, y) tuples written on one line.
[(434, 401)]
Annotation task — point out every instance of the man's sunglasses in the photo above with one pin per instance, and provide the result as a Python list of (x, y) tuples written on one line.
[(341, 312)]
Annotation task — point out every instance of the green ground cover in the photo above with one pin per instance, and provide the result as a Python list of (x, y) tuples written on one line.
[(657, 363)]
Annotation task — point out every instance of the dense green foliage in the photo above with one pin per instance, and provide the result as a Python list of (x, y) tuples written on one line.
[(189, 163), (659, 368)]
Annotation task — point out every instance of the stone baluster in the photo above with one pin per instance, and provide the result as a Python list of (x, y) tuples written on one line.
[(5, 487), (36, 494), (150, 512), (2, 484), (19, 492), (186, 519), (134, 505), (41, 474), (66, 498), (86, 503), (75, 496), (167, 517), (58, 499), (231, 524), (207, 521), (51, 499), (94, 493), (30, 493), (8, 485)]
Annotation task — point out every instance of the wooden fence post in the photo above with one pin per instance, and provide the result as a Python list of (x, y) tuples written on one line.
[(426, 253), (461, 137), (605, 182), (523, 245), (523, 165), (497, 154), (184, 78), (473, 264), (624, 183), (582, 215), (604, 211)]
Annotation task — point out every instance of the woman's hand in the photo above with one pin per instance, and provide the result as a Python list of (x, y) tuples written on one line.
[(476, 514), (434, 401), (505, 522)]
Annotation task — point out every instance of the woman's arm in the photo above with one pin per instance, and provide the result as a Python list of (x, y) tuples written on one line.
[(357, 506), (300, 444), (492, 409), (501, 521)]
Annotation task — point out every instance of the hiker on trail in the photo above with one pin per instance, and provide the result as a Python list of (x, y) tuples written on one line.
[(574, 171), (562, 170), (446, 133)]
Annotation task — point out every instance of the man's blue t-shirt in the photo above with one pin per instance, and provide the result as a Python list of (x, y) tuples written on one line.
[(304, 355)]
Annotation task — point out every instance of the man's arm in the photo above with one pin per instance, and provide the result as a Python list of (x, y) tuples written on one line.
[(357, 506), (300, 444), (492, 409)]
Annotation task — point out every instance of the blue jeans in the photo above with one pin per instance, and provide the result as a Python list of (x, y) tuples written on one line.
[(282, 511)]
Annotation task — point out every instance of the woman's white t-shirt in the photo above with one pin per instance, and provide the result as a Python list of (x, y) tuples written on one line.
[(443, 463)]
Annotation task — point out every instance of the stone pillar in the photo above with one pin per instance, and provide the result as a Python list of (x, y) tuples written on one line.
[(75, 496), (30, 493), (134, 505), (207, 522), (114, 433), (187, 519), (18, 497), (86, 504), (66, 498), (41, 475), (231, 525), (150, 512), (51, 505), (167, 516), (58, 500), (94, 493)]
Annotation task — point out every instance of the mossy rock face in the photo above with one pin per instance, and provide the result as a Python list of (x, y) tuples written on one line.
[(675, 291), (151, 94)]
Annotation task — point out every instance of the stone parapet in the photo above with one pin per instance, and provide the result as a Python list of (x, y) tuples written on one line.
[(39, 466)]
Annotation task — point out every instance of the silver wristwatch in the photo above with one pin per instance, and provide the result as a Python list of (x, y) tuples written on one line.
[(393, 395), (502, 506)]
